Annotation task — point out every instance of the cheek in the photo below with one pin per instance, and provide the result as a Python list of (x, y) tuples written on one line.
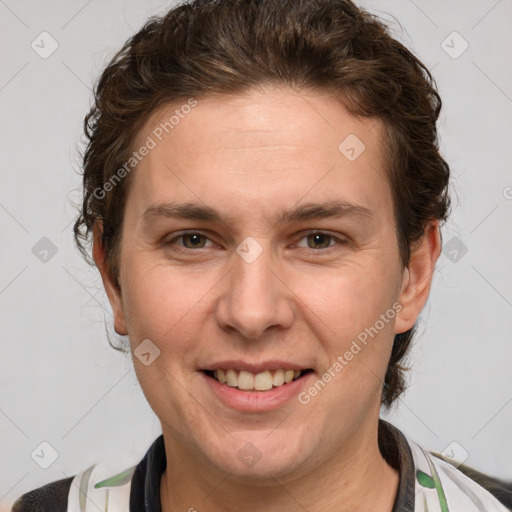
[(354, 314), (165, 304), (350, 299), (168, 308)]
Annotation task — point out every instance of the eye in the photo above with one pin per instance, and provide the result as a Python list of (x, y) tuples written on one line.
[(192, 240), (318, 240), (313, 241)]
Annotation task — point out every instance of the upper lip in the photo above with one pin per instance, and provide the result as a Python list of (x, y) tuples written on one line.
[(254, 367)]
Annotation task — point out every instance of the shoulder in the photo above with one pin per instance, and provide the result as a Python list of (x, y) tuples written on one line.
[(442, 480), (434, 482), (102, 487), (500, 489), (91, 488), (50, 497)]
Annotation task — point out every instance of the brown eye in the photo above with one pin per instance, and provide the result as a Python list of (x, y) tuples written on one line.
[(193, 240), (318, 240)]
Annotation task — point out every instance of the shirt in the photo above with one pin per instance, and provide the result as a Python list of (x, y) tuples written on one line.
[(428, 482)]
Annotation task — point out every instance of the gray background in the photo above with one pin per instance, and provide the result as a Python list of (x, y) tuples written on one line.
[(61, 383)]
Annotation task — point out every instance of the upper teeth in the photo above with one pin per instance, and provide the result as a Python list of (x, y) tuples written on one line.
[(259, 381)]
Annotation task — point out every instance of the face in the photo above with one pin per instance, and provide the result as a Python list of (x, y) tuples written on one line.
[(255, 247)]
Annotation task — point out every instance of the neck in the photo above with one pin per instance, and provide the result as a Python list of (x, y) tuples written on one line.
[(358, 482)]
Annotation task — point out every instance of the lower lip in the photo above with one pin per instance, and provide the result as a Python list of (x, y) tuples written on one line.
[(256, 401)]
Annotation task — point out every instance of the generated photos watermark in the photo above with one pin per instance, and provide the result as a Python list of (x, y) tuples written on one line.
[(304, 397), (150, 143)]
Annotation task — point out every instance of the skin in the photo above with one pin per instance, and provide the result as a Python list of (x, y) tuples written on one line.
[(251, 156)]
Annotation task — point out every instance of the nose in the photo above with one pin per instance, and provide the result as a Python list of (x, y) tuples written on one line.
[(255, 298)]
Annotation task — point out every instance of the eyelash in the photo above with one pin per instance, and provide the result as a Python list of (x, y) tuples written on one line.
[(339, 241)]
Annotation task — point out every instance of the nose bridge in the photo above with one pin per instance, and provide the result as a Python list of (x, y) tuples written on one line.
[(254, 299)]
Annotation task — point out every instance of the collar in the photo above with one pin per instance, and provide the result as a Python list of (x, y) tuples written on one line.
[(397, 453), (145, 488)]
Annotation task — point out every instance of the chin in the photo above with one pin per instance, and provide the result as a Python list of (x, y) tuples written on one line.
[(254, 456)]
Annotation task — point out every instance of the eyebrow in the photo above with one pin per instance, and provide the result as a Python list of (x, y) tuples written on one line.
[(306, 211)]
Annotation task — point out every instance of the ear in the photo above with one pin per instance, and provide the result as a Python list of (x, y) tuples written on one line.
[(111, 288), (417, 277)]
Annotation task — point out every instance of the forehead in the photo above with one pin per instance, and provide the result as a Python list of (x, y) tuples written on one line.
[(264, 149)]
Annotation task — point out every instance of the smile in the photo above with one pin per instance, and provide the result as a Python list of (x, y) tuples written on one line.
[(262, 381)]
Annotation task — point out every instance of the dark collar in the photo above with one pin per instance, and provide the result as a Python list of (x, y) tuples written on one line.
[(145, 488), (395, 450)]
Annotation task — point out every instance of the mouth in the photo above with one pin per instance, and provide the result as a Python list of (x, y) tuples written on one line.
[(262, 381)]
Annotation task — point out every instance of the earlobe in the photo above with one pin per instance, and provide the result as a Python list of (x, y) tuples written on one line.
[(417, 277), (111, 288)]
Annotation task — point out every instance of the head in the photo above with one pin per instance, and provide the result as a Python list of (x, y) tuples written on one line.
[(306, 132)]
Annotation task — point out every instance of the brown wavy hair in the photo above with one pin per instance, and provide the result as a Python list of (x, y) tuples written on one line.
[(207, 47)]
